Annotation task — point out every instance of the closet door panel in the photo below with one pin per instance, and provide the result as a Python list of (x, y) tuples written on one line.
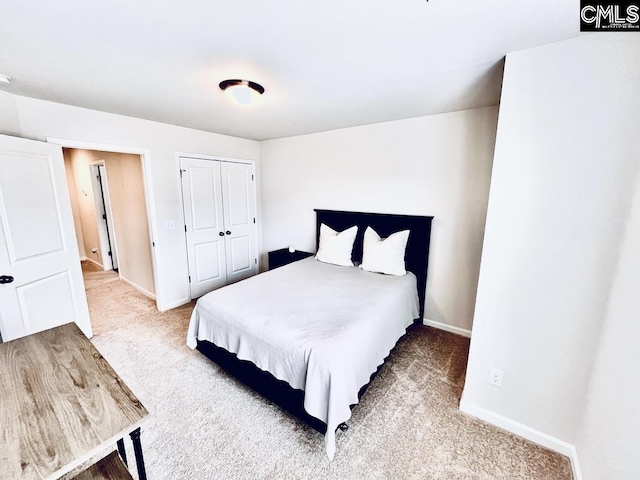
[(238, 197), (238, 190), (209, 260), (240, 258), (204, 222)]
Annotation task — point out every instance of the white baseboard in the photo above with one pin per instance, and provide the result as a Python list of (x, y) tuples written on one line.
[(178, 303), (527, 432), (447, 328), (138, 288), (575, 464), (92, 261)]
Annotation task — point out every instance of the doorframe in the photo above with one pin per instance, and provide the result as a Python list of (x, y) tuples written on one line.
[(183, 225), (147, 183), (109, 221)]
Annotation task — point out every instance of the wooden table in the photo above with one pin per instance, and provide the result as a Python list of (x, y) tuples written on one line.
[(61, 404)]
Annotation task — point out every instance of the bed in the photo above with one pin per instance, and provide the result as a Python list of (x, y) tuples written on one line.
[(310, 335)]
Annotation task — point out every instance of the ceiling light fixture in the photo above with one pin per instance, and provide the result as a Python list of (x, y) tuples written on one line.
[(5, 79), (243, 92)]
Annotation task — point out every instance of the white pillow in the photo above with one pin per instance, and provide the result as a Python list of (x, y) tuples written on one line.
[(384, 256), (336, 247)]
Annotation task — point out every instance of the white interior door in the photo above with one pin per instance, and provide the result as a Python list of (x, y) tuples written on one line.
[(41, 285), (103, 222), (239, 194), (204, 224), (108, 213)]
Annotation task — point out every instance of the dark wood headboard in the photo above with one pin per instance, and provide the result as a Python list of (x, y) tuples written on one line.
[(417, 253)]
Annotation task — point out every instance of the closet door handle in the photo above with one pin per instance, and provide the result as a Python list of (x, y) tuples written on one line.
[(221, 234), (228, 232), (6, 279)]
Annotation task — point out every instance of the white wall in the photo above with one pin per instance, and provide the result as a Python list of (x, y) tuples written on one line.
[(437, 165), (564, 173), (9, 120), (75, 206), (608, 441), (131, 227), (82, 194), (37, 119)]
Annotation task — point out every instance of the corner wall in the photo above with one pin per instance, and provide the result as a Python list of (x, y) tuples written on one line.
[(438, 165), (564, 175), (608, 440)]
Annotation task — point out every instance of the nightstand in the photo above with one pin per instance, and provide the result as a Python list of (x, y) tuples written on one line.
[(279, 258)]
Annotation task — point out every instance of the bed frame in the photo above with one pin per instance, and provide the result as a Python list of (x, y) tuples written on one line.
[(416, 260)]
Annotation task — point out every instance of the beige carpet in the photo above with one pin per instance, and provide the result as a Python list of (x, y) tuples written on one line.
[(205, 425)]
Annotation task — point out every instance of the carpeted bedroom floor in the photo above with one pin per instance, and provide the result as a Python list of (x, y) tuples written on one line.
[(205, 425)]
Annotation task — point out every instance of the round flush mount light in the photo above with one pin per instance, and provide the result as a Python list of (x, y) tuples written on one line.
[(5, 79), (243, 92)]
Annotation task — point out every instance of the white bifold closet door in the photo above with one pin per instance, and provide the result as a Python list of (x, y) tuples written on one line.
[(41, 283), (219, 212)]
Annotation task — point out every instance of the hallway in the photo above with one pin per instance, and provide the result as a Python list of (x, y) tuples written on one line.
[(111, 301)]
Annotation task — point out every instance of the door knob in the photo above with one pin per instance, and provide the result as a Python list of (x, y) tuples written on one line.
[(221, 234), (6, 279), (228, 232)]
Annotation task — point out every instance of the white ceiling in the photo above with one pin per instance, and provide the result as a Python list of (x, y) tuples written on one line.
[(325, 64)]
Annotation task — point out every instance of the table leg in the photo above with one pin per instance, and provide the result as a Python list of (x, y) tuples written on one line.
[(122, 451), (137, 449)]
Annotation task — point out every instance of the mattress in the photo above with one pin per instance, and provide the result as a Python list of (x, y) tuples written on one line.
[(321, 328)]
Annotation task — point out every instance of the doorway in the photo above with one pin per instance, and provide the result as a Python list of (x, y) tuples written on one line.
[(110, 214)]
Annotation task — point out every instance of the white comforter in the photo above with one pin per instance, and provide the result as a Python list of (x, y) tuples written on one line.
[(321, 328)]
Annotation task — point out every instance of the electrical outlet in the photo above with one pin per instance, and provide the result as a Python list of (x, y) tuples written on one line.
[(495, 377)]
